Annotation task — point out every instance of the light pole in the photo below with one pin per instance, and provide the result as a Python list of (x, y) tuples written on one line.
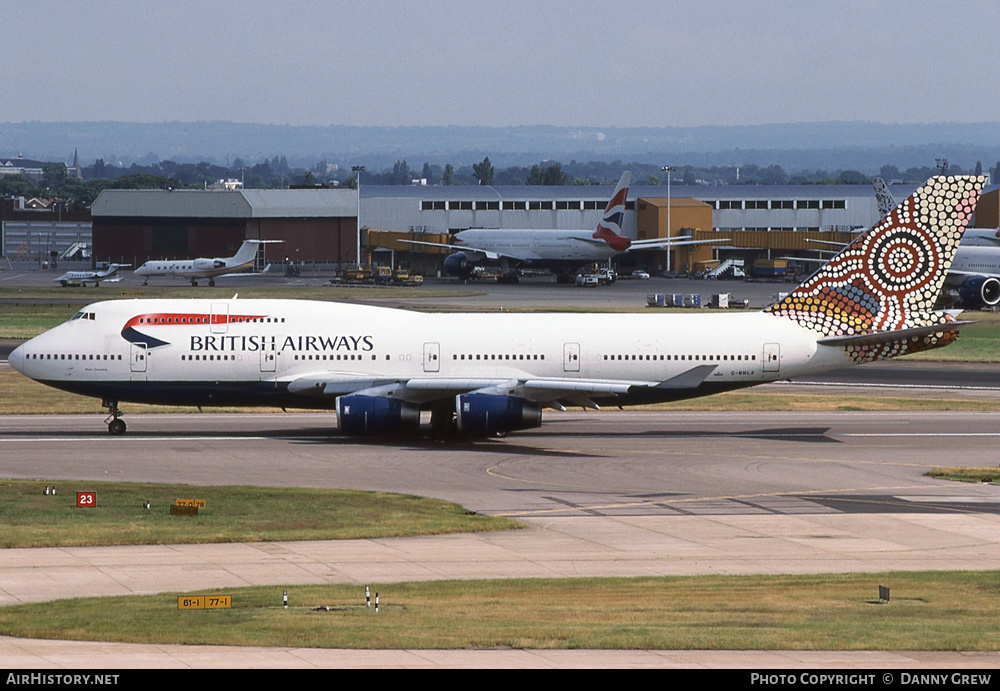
[(358, 170), (668, 170)]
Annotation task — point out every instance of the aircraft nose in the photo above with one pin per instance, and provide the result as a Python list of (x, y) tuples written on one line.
[(16, 359)]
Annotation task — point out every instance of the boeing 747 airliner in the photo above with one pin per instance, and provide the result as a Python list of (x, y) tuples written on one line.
[(491, 374)]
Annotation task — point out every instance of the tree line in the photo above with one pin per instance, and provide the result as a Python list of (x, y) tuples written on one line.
[(276, 173)]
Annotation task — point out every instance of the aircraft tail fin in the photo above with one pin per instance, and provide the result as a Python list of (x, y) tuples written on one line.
[(610, 228), (889, 278), (246, 252)]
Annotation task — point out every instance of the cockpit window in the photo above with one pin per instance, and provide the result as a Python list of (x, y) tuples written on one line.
[(83, 315)]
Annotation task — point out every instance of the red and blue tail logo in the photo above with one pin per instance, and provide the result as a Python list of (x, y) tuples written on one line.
[(610, 228)]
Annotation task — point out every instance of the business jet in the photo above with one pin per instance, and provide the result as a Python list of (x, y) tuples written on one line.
[(563, 252), (489, 374), (194, 269), (82, 278)]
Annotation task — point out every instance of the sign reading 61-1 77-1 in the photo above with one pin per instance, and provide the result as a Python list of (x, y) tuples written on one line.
[(204, 602)]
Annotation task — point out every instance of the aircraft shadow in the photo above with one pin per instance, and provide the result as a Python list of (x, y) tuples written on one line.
[(813, 435), (504, 445)]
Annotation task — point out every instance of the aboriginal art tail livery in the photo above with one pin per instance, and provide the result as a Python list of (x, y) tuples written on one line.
[(877, 296), (610, 227)]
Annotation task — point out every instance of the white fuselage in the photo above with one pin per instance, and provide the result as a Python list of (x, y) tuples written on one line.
[(541, 248), (982, 259), (304, 353)]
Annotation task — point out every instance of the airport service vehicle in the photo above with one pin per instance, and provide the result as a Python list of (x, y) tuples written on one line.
[(488, 374), (194, 269)]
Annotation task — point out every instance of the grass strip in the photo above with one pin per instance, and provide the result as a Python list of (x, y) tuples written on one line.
[(30, 518), (927, 611), (967, 474)]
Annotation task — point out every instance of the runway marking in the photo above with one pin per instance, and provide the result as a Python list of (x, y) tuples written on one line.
[(692, 500), (920, 434)]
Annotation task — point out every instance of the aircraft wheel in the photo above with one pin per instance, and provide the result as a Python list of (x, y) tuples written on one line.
[(116, 427), (194, 284), (211, 283)]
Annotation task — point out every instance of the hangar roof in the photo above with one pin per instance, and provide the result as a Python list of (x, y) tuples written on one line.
[(306, 203), (597, 192)]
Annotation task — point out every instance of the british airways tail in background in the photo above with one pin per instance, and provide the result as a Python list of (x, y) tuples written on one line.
[(489, 374)]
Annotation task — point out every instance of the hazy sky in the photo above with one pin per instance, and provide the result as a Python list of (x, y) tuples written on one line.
[(514, 62)]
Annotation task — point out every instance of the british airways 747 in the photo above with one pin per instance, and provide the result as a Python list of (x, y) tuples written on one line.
[(489, 374)]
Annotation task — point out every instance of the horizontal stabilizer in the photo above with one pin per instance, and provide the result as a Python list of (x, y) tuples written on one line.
[(882, 337)]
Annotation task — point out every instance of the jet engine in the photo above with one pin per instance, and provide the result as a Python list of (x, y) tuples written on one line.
[(206, 264), (358, 414), (458, 265), (487, 414), (980, 291)]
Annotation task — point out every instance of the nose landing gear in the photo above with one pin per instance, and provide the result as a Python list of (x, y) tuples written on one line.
[(116, 426)]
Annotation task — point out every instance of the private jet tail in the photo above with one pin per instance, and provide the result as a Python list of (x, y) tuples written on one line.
[(610, 227), (876, 297), (246, 253)]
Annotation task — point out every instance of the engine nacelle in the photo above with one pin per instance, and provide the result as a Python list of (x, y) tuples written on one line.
[(980, 291), (376, 414), (485, 414), (458, 265)]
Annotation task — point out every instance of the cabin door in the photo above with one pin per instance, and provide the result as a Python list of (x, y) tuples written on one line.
[(432, 357), (571, 357), (772, 357), (137, 356), (220, 317), (267, 360)]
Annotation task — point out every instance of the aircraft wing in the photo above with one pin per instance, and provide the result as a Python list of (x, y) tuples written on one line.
[(674, 242), (474, 252), (248, 273), (545, 390)]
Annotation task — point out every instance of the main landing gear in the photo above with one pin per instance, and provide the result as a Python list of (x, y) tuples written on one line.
[(116, 426)]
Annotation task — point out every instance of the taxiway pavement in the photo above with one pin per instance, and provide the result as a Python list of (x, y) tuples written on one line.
[(610, 493)]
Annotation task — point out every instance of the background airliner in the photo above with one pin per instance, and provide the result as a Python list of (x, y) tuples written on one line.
[(194, 269), (974, 276), (493, 373), (563, 252), (82, 278)]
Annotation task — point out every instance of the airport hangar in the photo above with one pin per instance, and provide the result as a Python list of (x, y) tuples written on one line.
[(321, 225)]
